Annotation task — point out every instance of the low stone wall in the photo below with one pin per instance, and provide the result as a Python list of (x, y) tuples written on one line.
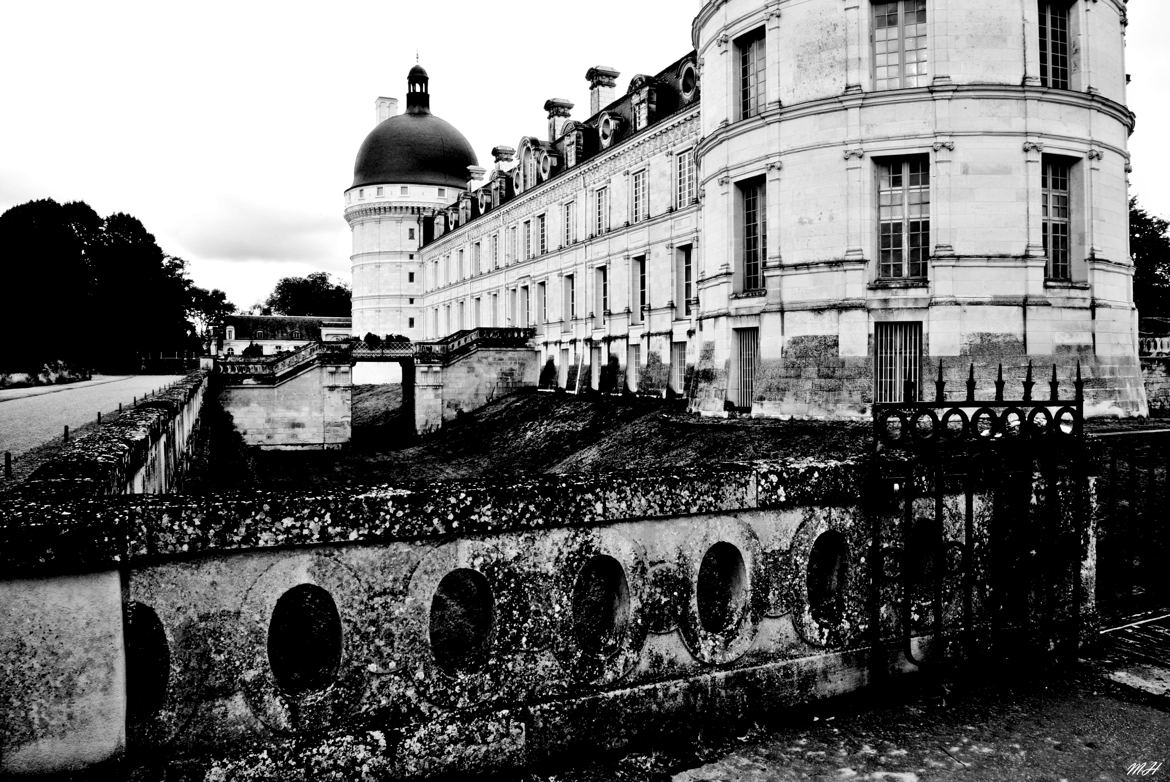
[(311, 409), (1156, 376), (143, 450), (402, 632)]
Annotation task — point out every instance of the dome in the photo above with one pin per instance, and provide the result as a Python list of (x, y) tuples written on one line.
[(415, 148)]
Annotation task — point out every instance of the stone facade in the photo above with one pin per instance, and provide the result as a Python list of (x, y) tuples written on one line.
[(860, 224)]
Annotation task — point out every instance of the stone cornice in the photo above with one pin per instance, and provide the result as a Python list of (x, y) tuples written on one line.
[(863, 100)]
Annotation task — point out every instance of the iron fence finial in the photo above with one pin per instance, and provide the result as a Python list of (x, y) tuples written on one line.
[(971, 383), (1028, 383), (999, 385), (1054, 385), (940, 385), (1079, 384)]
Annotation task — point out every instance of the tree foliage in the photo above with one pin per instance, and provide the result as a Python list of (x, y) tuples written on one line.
[(1149, 244), (314, 294), (94, 292), (206, 310)]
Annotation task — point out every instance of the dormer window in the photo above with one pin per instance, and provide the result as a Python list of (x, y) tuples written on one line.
[(260, 334), (231, 334)]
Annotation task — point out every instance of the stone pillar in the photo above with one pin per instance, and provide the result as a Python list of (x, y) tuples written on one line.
[(62, 671), (854, 202), (428, 397), (856, 48)]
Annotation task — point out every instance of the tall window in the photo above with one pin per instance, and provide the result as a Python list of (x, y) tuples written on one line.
[(512, 244), (1054, 44), (754, 232), (462, 267), (570, 219), (897, 361), (477, 257), (685, 165), (601, 294), (638, 293), (527, 238), (752, 81), (601, 210), (569, 308), (541, 302), (903, 217), (684, 275), (1055, 211), (541, 234), (495, 251), (639, 200), (899, 44)]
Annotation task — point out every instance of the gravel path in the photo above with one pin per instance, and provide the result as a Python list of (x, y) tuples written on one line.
[(31, 416)]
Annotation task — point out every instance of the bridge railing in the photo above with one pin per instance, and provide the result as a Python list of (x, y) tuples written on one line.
[(1153, 346)]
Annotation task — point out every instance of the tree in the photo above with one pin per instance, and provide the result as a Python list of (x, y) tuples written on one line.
[(314, 294), (93, 292), (1150, 246), (207, 309)]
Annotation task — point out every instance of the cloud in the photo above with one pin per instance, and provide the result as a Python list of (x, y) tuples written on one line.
[(232, 229)]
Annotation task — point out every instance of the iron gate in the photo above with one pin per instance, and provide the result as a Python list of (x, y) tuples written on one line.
[(978, 514)]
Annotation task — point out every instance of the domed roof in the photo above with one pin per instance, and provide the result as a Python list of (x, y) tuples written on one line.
[(415, 148)]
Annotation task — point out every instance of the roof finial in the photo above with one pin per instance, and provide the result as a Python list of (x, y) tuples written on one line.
[(416, 60)]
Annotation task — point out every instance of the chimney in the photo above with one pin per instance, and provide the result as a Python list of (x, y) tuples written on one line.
[(602, 83), (385, 108), (503, 155), (474, 174), (558, 114)]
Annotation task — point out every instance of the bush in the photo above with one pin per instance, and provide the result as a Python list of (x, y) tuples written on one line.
[(372, 340), (252, 351), (548, 375)]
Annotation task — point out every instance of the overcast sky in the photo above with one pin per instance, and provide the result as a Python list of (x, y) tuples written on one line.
[(230, 129)]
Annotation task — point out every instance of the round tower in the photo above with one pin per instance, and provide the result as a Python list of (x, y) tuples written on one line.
[(409, 164), (890, 185)]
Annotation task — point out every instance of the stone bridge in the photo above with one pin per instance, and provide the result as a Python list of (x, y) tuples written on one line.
[(407, 631), (303, 399)]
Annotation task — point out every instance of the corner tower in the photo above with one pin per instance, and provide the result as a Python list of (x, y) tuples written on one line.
[(408, 165)]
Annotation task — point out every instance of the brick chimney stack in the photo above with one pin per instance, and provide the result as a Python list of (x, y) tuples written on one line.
[(602, 87)]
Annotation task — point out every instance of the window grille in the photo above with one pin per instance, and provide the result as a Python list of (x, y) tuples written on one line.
[(897, 360), (903, 217), (685, 164), (1054, 44), (1055, 211), (752, 78), (899, 44), (744, 373), (638, 197), (754, 230)]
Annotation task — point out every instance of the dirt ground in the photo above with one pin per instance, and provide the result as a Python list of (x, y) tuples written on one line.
[(529, 433)]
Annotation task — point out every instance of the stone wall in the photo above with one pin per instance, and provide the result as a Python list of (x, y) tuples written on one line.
[(143, 450), (1156, 375), (470, 382), (397, 632), (309, 410)]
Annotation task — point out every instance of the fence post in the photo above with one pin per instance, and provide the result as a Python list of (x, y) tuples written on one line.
[(8, 465), (66, 432)]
